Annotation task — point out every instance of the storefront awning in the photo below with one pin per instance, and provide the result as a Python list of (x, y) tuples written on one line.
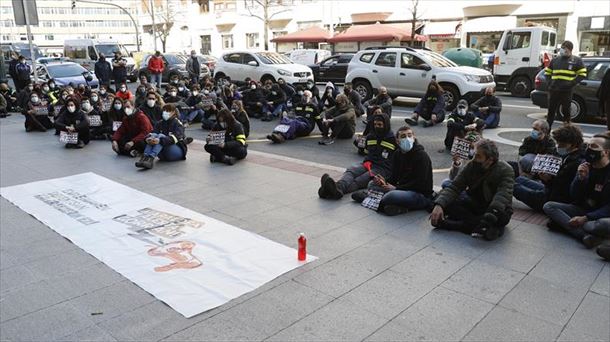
[(376, 32), (444, 28), (312, 34), (490, 24)]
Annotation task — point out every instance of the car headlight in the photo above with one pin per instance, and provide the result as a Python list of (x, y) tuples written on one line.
[(283, 72), (473, 78)]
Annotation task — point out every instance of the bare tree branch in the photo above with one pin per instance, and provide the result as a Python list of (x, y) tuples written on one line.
[(282, 11)]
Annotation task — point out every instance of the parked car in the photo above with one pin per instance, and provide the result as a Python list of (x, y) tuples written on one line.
[(21, 48), (175, 64), (308, 56), (261, 66), (65, 73), (406, 71), (86, 52), (332, 69), (584, 99), (209, 61)]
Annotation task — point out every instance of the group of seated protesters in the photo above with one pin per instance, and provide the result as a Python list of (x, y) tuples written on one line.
[(476, 199)]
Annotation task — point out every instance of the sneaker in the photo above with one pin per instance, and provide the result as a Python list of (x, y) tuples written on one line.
[(331, 190), (80, 144), (70, 145), (428, 123), (327, 141), (229, 160), (393, 210), (277, 138), (139, 163), (134, 153), (359, 195), (442, 150), (148, 162), (324, 138), (412, 121), (591, 241), (454, 225), (188, 140), (604, 252)]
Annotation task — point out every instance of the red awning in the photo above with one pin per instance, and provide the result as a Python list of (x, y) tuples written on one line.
[(312, 34), (376, 32)]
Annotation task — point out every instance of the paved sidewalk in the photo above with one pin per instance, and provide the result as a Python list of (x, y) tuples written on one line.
[(377, 279)]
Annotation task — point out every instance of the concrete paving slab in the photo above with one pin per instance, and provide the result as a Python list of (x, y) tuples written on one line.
[(92, 333), (71, 261), (28, 298), (592, 318), (431, 265), (602, 283), (568, 270), (514, 255), (83, 281), (16, 277)]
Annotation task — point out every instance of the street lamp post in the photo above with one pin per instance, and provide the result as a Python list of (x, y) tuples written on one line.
[(124, 10)]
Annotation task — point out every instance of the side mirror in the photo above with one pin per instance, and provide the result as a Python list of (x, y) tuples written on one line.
[(425, 67), (252, 63), (87, 76)]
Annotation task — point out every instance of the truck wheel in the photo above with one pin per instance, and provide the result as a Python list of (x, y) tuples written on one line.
[(364, 89), (577, 109), (520, 86), (451, 95)]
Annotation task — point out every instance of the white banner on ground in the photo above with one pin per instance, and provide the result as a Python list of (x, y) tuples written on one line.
[(190, 261)]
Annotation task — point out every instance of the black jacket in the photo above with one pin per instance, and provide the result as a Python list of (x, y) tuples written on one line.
[(234, 136), (154, 113), (242, 117), (385, 102), (103, 70), (252, 96), (558, 188), (412, 171), (381, 147), (493, 102), (119, 71), (279, 97), (356, 101), (174, 132), (565, 72), (546, 146), (78, 119), (458, 122)]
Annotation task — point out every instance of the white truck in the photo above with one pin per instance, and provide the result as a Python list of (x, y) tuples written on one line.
[(520, 54), (86, 52)]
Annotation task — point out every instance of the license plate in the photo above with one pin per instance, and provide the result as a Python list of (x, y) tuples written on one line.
[(303, 80)]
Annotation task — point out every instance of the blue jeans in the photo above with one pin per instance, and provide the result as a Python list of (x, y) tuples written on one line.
[(279, 109), (156, 78), (404, 198), (167, 153), (491, 121), (530, 192), (526, 162), (190, 116), (562, 213)]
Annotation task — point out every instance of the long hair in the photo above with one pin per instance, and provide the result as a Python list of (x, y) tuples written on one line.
[(227, 117), (439, 89)]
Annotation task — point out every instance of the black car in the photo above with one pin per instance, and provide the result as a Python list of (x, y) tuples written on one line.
[(584, 99), (175, 64), (332, 69)]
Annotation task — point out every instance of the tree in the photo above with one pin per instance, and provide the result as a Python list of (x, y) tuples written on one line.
[(163, 21), (414, 18), (265, 6)]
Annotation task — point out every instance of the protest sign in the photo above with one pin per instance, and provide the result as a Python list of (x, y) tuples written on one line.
[(216, 137), (546, 163)]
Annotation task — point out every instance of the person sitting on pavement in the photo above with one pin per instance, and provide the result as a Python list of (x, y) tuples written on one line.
[(311, 86), (538, 142), (129, 138), (152, 108), (183, 91), (288, 89), (354, 99), (171, 96), (193, 111), (360, 140), (3, 106), (382, 100), (409, 186), (589, 194), (123, 93), (234, 146), (96, 126), (230, 94), (486, 208), (49, 95), (458, 163), (240, 114), (105, 92), (340, 120), (599, 231), (74, 120), (254, 101), (173, 82), (140, 98), (37, 113), (276, 103), (302, 125), (460, 122), (23, 97), (328, 98), (381, 145), (431, 107), (488, 108), (166, 141), (211, 105), (115, 113), (536, 192), (9, 95)]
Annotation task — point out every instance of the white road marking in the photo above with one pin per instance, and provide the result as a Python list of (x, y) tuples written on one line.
[(537, 116)]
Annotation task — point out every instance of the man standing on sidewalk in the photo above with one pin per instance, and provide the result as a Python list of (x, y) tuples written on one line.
[(565, 72), (155, 67), (603, 95)]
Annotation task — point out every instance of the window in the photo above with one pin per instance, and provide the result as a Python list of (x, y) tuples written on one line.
[(92, 53), (553, 37), (225, 5), (367, 57), (520, 40), (76, 52), (252, 40), (386, 59), (545, 38), (409, 61), (232, 58), (248, 58), (331, 61), (204, 5), (345, 59), (49, 37), (227, 41), (598, 71)]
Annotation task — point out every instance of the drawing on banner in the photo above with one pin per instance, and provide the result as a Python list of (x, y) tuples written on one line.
[(71, 203), (281, 128), (150, 224), (42, 110), (546, 163), (373, 199), (461, 148), (68, 138), (95, 120), (216, 137), (179, 252)]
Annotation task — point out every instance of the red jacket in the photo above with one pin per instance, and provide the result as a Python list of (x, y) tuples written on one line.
[(156, 65), (124, 95), (135, 128)]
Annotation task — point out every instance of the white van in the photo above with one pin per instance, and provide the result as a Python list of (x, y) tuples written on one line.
[(520, 54), (308, 56), (86, 52)]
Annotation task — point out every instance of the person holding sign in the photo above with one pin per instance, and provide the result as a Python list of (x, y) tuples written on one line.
[(486, 208), (340, 120), (590, 194), (431, 107), (409, 186), (381, 145), (74, 120), (459, 160), (129, 137), (460, 122), (96, 122), (166, 141), (536, 192), (37, 113), (538, 142), (233, 147), (306, 117)]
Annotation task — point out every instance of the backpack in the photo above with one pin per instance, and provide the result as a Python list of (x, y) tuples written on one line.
[(23, 71)]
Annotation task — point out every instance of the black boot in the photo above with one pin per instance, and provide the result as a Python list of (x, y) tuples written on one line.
[(604, 252), (229, 160), (148, 162), (330, 188), (360, 195), (139, 163)]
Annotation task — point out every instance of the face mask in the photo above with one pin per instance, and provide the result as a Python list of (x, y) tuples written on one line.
[(206, 92), (193, 56), (329, 91), (30, 88), (71, 92), (461, 111), (563, 52), (118, 106), (222, 124), (471, 154), (234, 109), (141, 91), (86, 106), (45, 89), (35, 99), (52, 85), (535, 134), (180, 88), (488, 95), (406, 144), (195, 93), (173, 93), (379, 130), (309, 85), (150, 103), (347, 91), (174, 81), (103, 91), (166, 116), (123, 89), (64, 96), (300, 93), (94, 98), (592, 156), (562, 151), (128, 111), (71, 109), (253, 87)]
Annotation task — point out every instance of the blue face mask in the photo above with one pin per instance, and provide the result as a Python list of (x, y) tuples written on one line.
[(406, 144), (535, 134), (562, 151)]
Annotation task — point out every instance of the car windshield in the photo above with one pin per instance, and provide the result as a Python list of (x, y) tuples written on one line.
[(65, 70), (176, 59), (24, 49), (109, 49), (438, 60), (273, 58)]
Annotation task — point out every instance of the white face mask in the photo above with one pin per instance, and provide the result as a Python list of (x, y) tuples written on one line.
[(206, 92), (150, 103), (173, 93), (35, 99), (103, 91), (71, 109), (71, 92), (461, 111), (118, 106), (166, 116), (128, 111), (86, 106), (123, 89), (274, 92), (45, 89), (180, 88), (94, 98), (253, 87), (195, 93)]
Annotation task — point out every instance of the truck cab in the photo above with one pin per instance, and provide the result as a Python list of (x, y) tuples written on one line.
[(86, 52), (520, 54)]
